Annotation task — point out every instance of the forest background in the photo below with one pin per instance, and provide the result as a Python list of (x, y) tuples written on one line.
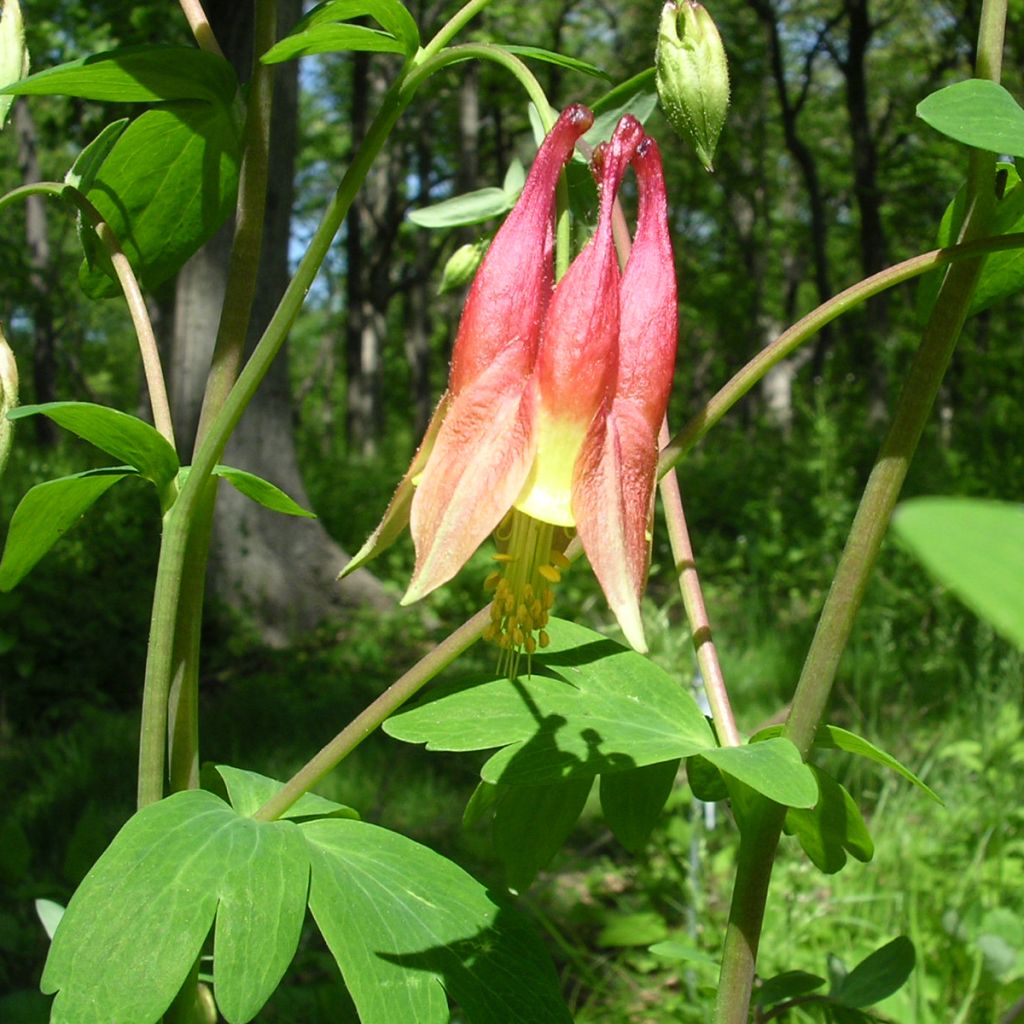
[(823, 176)]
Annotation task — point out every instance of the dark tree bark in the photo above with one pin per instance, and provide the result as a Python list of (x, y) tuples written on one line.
[(37, 238), (279, 569)]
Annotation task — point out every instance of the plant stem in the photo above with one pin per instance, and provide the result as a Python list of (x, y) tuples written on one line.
[(452, 28), (760, 835), (696, 611), (200, 25), (804, 329), (374, 714)]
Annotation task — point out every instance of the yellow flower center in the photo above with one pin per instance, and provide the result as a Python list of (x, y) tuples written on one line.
[(531, 561)]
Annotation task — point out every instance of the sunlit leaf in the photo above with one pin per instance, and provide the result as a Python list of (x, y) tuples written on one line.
[(125, 437), (46, 513), (978, 113), (974, 547), (560, 59), (391, 15), (410, 929), (137, 74), (137, 923), (332, 38), (249, 791), (263, 492), (589, 706), (469, 208), (772, 768)]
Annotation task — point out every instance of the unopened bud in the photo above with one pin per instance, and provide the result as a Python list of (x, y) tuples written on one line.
[(461, 266), (693, 75), (8, 398), (13, 55)]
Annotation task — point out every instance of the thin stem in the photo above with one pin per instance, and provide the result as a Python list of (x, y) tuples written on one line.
[(200, 25), (805, 328), (759, 836), (374, 714), (243, 270), (452, 28), (696, 611)]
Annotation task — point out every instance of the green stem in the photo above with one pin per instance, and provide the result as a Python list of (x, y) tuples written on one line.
[(760, 835), (148, 349), (452, 28), (805, 328), (374, 714)]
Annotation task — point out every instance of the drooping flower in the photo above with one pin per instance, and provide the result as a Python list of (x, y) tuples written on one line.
[(555, 397)]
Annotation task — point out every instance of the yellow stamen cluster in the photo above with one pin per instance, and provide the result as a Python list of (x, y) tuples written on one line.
[(528, 568)]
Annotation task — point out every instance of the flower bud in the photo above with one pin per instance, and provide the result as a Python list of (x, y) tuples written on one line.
[(8, 398), (13, 55), (461, 266), (692, 75)]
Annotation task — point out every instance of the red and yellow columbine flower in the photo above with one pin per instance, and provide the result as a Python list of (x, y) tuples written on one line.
[(554, 401)]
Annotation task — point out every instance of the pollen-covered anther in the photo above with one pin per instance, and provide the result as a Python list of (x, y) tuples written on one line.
[(550, 573)]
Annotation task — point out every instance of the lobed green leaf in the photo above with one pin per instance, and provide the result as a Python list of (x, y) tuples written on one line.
[(469, 208), (771, 767), (332, 39), (136, 74), (391, 15), (597, 708), (46, 513), (249, 791), (410, 929), (137, 923)]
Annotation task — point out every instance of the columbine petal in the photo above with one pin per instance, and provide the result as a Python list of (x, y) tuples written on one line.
[(613, 486), (509, 295), (477, 467), (396, 518), (576, 362), (613, 499)]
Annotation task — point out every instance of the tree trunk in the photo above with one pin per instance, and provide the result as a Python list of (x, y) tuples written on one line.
[(44, 349), (279, 569)]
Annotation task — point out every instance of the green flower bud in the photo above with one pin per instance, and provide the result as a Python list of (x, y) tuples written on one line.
[(692, 75), (13, 55), (461, 266), (8, 398)]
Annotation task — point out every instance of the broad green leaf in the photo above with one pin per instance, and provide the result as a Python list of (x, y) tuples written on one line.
[(410, 929), (974, 547), (125, 437), (597, 708), (831, 737), (832, 828), (772, 768), (137, 74), (165, 187), (13, 54), (787, 985), (249, 791), (469, 208), (550, 57), (83, 171), (877, 976), (332, 39), (262, 904), (532, 822), (263, 492), (135, 926), (46, 513), (632, 801), (675, 949), (515, 178), (1003, 272), (977, 113), (640, 929), (391, 15)]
